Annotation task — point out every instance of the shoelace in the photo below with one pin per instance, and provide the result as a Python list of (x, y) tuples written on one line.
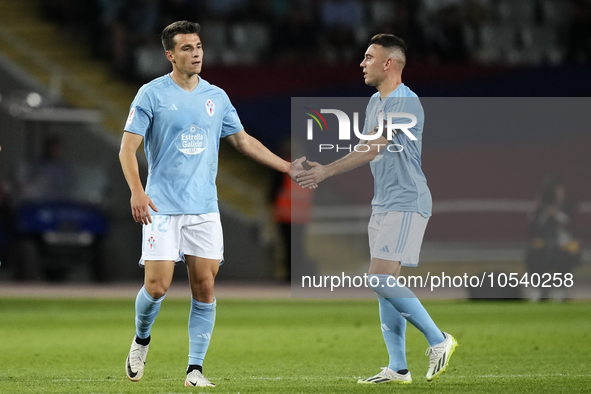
[(384, 373), (431, 351), (198, 376), (136, 354)]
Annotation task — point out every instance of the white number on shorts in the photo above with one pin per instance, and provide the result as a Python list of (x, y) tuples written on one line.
[(163, 219)]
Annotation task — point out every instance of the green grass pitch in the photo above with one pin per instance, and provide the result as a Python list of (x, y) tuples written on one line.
[(292, 346)]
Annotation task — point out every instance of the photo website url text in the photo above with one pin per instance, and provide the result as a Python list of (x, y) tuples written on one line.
[(487, 279)]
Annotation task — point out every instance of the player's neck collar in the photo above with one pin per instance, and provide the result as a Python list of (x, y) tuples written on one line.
[(391, 93), (181, 87)]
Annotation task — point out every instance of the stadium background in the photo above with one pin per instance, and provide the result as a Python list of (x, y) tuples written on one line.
[(94, 55)]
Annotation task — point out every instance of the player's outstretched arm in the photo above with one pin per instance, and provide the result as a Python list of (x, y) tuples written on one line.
[(251, 147), (140, 202), (319, 172)]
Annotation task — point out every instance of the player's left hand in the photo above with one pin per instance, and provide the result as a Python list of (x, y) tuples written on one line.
[(140, 207), (312, 177)]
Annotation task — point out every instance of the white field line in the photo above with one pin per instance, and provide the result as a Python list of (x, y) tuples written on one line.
[(304, 378), (550, 375)]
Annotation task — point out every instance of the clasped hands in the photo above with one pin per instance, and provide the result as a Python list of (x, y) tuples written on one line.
[(308, 174)]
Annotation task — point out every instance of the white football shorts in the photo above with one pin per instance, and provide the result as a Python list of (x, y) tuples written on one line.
[(397, 236), (170, 237)]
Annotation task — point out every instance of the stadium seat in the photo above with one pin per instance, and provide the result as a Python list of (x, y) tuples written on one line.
[(250, 40), (215, 38)]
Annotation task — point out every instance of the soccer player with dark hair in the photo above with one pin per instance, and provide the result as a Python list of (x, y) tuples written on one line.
[(401, 207), (181, 118)]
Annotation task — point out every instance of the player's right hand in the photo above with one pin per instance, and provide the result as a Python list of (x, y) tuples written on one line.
[(140, 207), (314, 174), (298, 167)]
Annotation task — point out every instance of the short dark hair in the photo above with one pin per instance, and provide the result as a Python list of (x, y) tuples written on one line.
[(179, 27), (389, 41)]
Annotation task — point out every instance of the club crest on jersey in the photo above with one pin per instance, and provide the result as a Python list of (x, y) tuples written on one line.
[(210, 107), (151, 244), (381, 116)]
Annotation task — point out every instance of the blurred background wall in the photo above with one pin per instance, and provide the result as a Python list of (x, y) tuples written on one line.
[(71, 68)]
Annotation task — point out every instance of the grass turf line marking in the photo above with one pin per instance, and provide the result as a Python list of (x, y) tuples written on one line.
[(88, 380), (552, 375), (343, 377)]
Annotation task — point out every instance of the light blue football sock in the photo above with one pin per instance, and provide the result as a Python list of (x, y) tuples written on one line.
[(394, 332), (405, 302), (146, 310), (201, 322)]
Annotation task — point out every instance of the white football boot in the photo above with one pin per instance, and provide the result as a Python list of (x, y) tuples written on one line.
[(439, 356), (136, 360), (387, 376), (196, 378)]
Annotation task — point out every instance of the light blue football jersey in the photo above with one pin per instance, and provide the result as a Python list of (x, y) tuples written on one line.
[(182, 132), (399, 182)]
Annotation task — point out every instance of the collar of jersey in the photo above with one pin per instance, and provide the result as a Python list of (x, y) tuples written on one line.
[(380, 97), (198, 87)]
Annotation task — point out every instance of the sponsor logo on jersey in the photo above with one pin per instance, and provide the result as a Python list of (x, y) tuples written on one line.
[(192, 140), (210, 107)]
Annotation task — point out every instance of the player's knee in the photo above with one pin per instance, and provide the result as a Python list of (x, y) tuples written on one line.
[(203, 287), (205, 284), (156, 290), (157, 293)]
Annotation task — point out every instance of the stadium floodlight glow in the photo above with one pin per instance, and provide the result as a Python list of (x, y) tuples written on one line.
[(34, 100), (20, 102)]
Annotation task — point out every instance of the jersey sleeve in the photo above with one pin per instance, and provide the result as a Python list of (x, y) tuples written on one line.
[(140, 114), (231, 122)]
